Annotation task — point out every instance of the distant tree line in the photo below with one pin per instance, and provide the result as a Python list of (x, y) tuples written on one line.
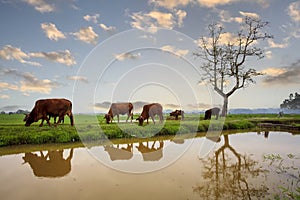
[(17, 112), (293, 102)]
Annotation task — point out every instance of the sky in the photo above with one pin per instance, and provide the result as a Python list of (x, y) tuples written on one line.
[(98, 52)]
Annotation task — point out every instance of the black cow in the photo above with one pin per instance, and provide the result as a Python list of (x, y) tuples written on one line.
[(176, 113), (210, 112)]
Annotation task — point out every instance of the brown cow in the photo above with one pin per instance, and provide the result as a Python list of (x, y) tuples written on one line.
[(117, 109), (50, 107), (150, 110), (176, 113), (210, 112)]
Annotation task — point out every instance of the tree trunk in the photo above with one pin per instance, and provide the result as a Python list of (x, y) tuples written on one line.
[(225, 107)]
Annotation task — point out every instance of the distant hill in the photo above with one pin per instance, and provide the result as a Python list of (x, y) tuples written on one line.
[(17, 112), (262, 111)]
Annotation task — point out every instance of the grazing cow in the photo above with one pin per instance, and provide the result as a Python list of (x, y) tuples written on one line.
[(117, 109), (52, 108), (210, 112), (150, 110), (176, 113)]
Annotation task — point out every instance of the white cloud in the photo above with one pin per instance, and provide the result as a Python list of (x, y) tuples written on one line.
[(41, 5), (272, 71), (153, 20), (181, 14), (214, 3), (8, 86), (129, 55), (164, 20), (92, 18), (174, 50), (86, 35), (250, 14), (107, 28), (52, 32), (4, 96), (225, 16), (78, 78), (294, 11), (63, 57), (13, 53), (33, 84), (74, 7), (28, 83), (225, 39), (170, 4), (272, 44), (268, 54), (285, 75)]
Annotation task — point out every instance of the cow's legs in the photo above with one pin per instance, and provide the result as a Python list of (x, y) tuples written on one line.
[(48, 121), (45, 118), (128, 115), (152, 117), (42, 123), (161, 118)]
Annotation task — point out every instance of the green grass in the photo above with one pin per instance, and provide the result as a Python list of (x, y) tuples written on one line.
[(91, 128)]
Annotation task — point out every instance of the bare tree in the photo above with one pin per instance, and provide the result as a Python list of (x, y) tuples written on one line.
[(224, 62)]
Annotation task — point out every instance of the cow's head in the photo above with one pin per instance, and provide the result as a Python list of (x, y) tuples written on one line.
[(29, 119), (26, 117), (108, 118), (141, 120)]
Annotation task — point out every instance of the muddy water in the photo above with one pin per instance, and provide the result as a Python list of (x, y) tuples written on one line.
[(241, 166)]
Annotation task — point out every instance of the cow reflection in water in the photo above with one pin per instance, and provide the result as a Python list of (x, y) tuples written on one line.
[(52, 164), (119, 153), (151, 153), (231, 176)]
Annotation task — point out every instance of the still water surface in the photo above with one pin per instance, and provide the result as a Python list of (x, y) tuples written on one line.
[(241, 166)]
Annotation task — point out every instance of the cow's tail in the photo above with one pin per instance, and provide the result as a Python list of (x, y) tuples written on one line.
[(131, 115), (70, 114), (71, 119)]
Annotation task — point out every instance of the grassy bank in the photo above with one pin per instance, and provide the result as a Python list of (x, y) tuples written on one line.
[(91, 128)]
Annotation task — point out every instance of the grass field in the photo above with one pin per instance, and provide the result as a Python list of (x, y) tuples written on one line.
[(92, 128)]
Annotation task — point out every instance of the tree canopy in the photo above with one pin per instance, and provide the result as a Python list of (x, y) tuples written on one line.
[(293, 102), (225, 54)]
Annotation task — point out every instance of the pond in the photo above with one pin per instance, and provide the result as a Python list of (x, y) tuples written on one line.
[(240, 166)]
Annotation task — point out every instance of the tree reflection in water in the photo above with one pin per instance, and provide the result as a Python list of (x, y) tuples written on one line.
[(53, 164), (230, 175)]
